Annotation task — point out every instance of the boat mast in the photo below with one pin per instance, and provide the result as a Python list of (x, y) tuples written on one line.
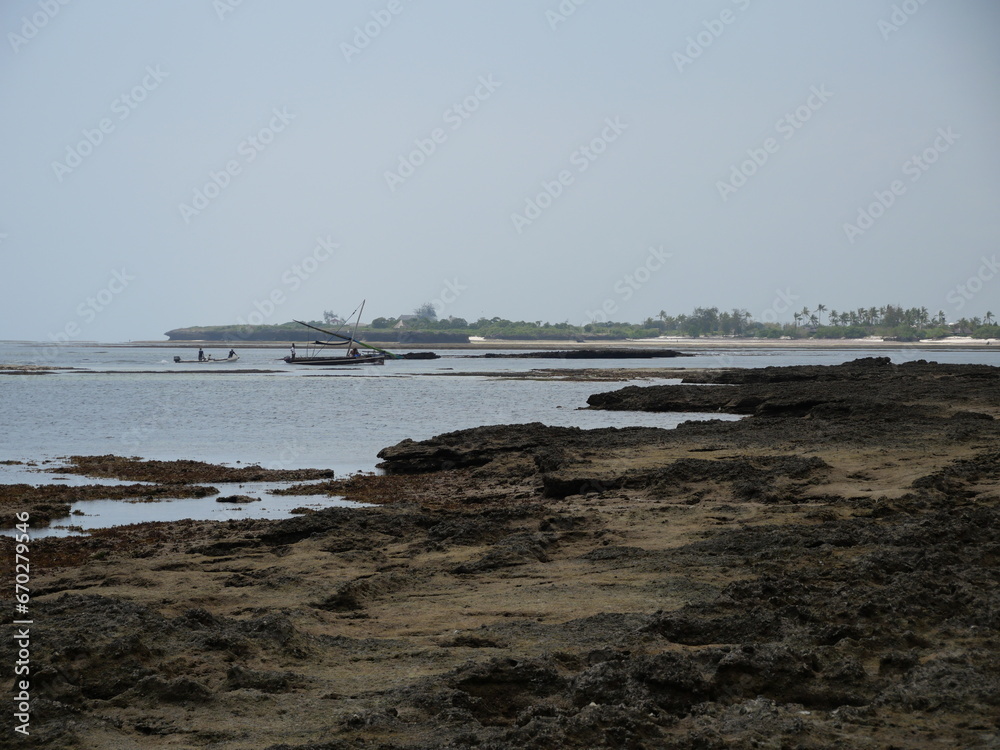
[(345, 338), (356, 324)]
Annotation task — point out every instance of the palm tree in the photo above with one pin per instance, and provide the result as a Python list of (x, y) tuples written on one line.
[(796, 317), (820, 309), (989, 318)]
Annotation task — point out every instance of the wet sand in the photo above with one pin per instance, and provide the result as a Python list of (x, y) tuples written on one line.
[(820, 574)]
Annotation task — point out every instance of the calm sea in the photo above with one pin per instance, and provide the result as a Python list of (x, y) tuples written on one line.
[(137, 402)]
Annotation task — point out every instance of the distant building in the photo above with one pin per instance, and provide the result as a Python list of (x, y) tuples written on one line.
[(404, 319)]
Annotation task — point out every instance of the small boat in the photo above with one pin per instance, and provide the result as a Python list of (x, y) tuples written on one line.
[(207, 361), (374, 356), (364, 359)]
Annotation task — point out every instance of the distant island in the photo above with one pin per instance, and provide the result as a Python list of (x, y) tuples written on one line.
[(890, 322)]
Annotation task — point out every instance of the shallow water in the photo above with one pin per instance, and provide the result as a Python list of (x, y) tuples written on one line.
[(138, 402), (135, 401), (86, 515)]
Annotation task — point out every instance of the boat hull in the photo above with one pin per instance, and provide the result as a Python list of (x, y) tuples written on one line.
[(333, 361), (178, 360)]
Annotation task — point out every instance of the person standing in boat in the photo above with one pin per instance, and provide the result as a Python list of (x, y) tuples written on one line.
[(293, 351), (201, 354), (232, 353)]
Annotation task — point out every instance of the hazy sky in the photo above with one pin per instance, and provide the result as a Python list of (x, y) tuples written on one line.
[(192, 162)]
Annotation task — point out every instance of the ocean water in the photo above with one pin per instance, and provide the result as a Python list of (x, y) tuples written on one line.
[(138, 402)]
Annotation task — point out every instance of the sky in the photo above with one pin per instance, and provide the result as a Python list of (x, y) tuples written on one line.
[(211, 162)]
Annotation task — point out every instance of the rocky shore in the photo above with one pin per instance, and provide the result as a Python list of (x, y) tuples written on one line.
[(824, 573)]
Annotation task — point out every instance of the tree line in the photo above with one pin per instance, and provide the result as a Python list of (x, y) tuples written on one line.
[(888, 321), (891, 321)]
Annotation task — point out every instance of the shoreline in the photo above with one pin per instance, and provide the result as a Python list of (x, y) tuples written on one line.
[(955, 343)]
